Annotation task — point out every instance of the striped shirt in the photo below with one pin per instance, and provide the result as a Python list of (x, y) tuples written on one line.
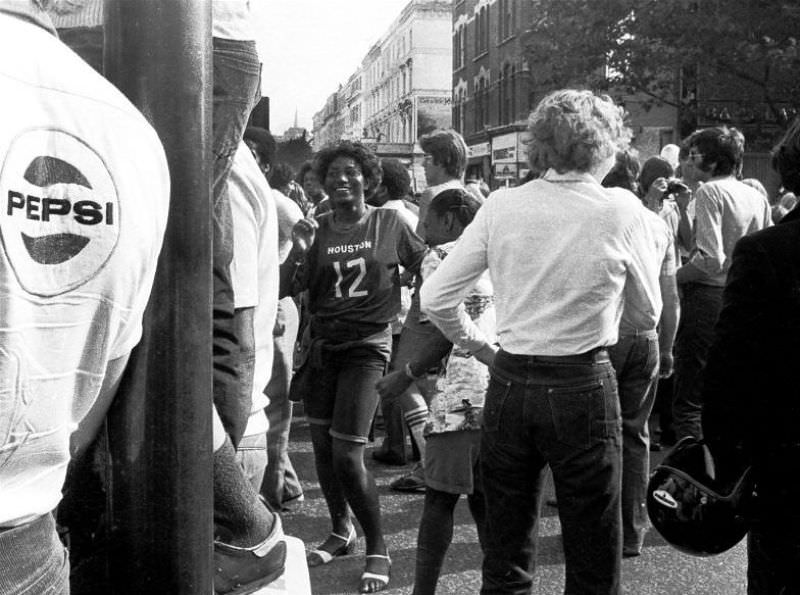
[(67, 14)]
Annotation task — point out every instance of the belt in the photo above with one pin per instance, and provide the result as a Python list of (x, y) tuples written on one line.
[(588, 357)]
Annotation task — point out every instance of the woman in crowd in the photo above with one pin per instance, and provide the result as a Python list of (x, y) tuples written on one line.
[(452, 430), (348, 261)]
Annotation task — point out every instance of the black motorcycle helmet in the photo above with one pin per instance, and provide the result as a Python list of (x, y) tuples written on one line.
[(695, 511)]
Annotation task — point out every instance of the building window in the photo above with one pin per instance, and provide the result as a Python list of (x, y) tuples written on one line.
[(460, 47), (508, 92), (513, 96), (481, 104), (457, 111), (461, 121), (478, 95), (478, 32), (507, 16), (485, 29), (482, 31)]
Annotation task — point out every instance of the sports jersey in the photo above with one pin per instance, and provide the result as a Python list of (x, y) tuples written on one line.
[(82, 223), (352, 270)]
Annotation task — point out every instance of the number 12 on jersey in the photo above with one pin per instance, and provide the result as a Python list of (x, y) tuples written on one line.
[(352, 291)]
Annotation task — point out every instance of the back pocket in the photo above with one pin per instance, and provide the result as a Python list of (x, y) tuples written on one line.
[(578, 413)]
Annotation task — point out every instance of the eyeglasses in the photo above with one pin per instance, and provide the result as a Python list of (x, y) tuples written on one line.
[(694, 155)]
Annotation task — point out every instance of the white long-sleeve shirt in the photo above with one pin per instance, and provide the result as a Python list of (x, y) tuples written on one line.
[(560, 251), (726, 210)]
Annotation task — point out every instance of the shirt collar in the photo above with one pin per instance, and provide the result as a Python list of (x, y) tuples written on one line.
[(552, 175), (30, 11)]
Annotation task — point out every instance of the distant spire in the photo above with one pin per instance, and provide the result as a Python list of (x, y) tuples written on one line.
[(295, 117)]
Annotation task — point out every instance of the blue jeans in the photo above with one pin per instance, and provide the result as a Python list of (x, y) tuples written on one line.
[(252, 457), (635, 360), (700, 307), (236, 91), (280, 481), (563, 412), (33, 561)]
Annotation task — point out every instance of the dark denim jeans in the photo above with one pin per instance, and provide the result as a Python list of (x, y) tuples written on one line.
[(33, 561), (236, 91), (562, 412), (700, 307), (635, 359)]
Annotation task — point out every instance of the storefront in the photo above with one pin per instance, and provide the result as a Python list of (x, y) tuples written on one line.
[(479, 162), (509, 159)]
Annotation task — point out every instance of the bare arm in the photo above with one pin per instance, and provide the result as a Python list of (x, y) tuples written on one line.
[(670, 315)]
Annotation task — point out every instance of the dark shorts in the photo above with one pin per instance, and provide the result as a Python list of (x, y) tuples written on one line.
[(342, 391)]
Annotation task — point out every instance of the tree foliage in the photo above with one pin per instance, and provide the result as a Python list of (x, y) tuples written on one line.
[(734, 48), (294, 152)]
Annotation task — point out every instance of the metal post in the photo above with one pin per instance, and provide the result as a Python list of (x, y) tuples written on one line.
[(159, 429)]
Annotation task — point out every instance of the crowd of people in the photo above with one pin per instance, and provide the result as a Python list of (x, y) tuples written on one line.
[(541, 329)]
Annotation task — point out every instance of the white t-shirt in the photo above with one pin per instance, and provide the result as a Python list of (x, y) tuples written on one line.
[(84, 187), (255, 270), (231, 19)]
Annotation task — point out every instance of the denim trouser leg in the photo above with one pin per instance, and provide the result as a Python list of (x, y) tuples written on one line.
[(236, 91), (700, 307), (280, 481), (567, 415), (252, 457), (33, 560), (635, 360)]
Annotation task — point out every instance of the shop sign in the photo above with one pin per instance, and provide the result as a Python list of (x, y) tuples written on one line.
[(478, 150), (505, 171), (504, 148)]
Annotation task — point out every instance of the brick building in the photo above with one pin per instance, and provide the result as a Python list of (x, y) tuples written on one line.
[(494, 90), (492, 87)]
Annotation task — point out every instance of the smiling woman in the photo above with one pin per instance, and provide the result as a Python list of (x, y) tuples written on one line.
[(348, 260)]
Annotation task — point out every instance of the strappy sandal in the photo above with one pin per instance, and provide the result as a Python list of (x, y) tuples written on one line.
[(368, 575), (319, 556)]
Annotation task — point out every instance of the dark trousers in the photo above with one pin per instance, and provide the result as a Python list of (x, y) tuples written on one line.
[(562, 412), (700, 307)]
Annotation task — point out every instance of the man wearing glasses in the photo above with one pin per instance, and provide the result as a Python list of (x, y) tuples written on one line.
[(725, 211)]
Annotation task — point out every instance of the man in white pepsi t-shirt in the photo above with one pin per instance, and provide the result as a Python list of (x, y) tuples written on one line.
[(82, 224)]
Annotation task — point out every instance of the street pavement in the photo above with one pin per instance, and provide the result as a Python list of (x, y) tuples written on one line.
[(660, 570)]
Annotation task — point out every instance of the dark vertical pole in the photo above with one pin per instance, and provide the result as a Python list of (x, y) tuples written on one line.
[(160, 497)]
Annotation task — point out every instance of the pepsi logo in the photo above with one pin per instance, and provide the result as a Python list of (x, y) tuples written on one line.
[(59, 211)]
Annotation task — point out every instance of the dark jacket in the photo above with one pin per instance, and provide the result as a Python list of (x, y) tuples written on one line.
[(752, 377)]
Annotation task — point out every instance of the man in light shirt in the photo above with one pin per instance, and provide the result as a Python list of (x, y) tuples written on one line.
[(725, 211), (561, 251)]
